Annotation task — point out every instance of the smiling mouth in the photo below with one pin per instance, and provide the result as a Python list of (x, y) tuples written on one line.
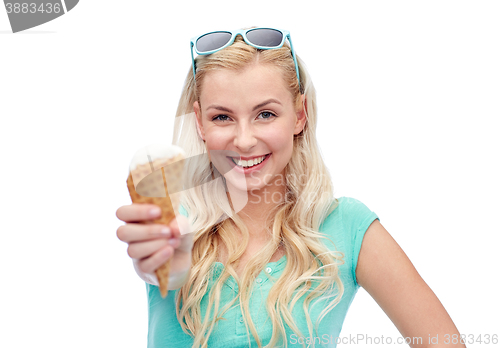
[(250, 163)]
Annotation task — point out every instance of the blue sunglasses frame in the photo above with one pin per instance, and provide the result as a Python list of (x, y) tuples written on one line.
[(243, 33)]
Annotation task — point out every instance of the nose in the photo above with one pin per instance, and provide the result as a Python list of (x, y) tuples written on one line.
[(245, 138)]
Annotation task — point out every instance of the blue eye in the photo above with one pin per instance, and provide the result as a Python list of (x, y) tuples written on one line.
[(216, 118), (267, 114)]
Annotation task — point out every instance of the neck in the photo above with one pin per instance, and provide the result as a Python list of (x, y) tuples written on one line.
[(254, 206)]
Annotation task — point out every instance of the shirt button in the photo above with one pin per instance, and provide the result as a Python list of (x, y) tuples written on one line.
[(259, 280), (268, 269)]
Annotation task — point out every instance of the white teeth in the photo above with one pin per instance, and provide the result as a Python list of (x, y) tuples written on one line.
[(249, 163)]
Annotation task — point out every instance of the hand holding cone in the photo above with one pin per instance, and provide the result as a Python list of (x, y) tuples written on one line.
[(155, 171)]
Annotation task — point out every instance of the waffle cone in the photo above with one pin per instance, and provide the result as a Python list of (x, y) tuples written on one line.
[(147, 183)]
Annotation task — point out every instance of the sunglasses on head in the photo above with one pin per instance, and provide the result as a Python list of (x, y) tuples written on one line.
[(260, 38)]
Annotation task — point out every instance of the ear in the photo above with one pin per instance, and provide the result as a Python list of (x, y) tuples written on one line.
[(301, 115), (199, 126)]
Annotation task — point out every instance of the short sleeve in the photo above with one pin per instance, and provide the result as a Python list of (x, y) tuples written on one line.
[(356, 217)]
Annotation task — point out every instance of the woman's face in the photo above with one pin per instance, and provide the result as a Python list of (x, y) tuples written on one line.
[(246, 115)]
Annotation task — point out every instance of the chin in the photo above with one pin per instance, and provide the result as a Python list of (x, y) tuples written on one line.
[(242, 185)]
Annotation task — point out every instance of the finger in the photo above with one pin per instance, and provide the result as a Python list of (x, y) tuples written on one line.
[(133, 232), (137, 212), (152, 263), (145, 249)]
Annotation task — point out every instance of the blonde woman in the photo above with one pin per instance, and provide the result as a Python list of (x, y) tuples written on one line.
[(275, 259)]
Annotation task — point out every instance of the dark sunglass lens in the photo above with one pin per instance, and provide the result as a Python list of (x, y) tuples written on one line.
[(265, 37), (212, 41)]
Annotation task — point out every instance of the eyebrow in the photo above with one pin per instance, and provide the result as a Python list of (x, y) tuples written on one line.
[(222, 108)]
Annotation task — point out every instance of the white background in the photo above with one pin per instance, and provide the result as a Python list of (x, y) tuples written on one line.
[(408, 96)]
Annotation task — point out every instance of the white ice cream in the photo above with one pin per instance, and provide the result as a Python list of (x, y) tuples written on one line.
[(153, 152)]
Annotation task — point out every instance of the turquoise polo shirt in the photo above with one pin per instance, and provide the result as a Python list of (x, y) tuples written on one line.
[(346, 226)]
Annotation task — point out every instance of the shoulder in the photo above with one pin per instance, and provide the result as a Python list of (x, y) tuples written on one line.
[(356, 216), (352, 215), (346, 225)]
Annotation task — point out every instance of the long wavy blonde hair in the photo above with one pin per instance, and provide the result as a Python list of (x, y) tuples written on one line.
[(294, 226)]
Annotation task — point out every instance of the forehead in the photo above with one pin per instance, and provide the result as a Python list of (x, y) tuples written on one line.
[(250, 84)]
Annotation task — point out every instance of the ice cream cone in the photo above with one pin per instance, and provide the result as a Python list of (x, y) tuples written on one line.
[(154, 172)]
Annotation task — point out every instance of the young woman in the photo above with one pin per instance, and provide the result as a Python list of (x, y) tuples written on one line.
[(275, 259)]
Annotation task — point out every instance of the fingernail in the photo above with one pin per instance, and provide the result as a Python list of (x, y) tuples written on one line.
[(155, 212), (172, 242), (165, 231)]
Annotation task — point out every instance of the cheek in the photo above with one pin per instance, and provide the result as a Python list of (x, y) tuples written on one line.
[(216, 139), (280, 139)]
